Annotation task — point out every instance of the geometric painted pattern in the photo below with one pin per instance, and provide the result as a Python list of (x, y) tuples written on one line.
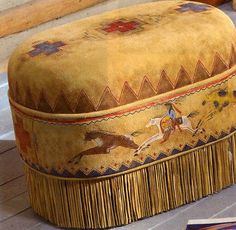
[(46, 48), (193, 7), (133, 164), (128, 95), (121, 26)]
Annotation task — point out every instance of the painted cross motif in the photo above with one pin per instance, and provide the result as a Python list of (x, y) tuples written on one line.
[(121, 26), (193, 7), (22, 135), (46, 48)]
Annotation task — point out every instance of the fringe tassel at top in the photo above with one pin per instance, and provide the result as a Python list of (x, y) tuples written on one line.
[(119, 200)]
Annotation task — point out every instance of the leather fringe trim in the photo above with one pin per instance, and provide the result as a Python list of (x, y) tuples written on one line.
[(128, 197)]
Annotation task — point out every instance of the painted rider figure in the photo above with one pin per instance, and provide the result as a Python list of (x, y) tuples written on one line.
[(170, 116)]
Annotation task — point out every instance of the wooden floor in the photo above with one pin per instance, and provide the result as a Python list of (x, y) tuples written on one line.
[(15, 210)]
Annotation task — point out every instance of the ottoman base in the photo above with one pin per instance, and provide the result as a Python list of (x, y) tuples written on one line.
[(119, 200)]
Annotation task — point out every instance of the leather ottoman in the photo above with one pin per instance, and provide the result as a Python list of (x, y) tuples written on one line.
[(127, 114)]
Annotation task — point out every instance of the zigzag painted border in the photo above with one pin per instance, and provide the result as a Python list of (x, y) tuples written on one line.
[(131, 111), (134, 164), (128, 95)]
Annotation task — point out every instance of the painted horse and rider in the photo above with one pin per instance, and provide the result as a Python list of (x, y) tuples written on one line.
[(169, 121)]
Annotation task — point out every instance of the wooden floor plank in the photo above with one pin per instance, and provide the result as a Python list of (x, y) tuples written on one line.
[(213, 204), (6, 146), (12, 207), (11, 166), (229, 211), (21, 221), (160, 218), (44, 226), (7, 142), (12, 189)]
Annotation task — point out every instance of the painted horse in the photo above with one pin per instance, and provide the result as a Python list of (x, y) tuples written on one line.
[(166, 126)]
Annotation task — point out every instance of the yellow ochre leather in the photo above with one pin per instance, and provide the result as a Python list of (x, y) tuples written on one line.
[(97, 64), (124, 90)]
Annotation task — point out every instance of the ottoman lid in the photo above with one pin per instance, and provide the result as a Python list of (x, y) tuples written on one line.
[(122, 56)]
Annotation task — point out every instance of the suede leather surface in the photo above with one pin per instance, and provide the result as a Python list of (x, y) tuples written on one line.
[(169, 45), (125, 89)]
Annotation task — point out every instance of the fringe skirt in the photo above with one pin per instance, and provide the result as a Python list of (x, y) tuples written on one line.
[(122, 199)]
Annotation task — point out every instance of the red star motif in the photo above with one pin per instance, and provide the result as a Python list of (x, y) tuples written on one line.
[(121, 26), (22, 136)]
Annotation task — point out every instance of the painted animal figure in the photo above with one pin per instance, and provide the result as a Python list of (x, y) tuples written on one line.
[(220, 99), (105, 142), (166, 128)]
